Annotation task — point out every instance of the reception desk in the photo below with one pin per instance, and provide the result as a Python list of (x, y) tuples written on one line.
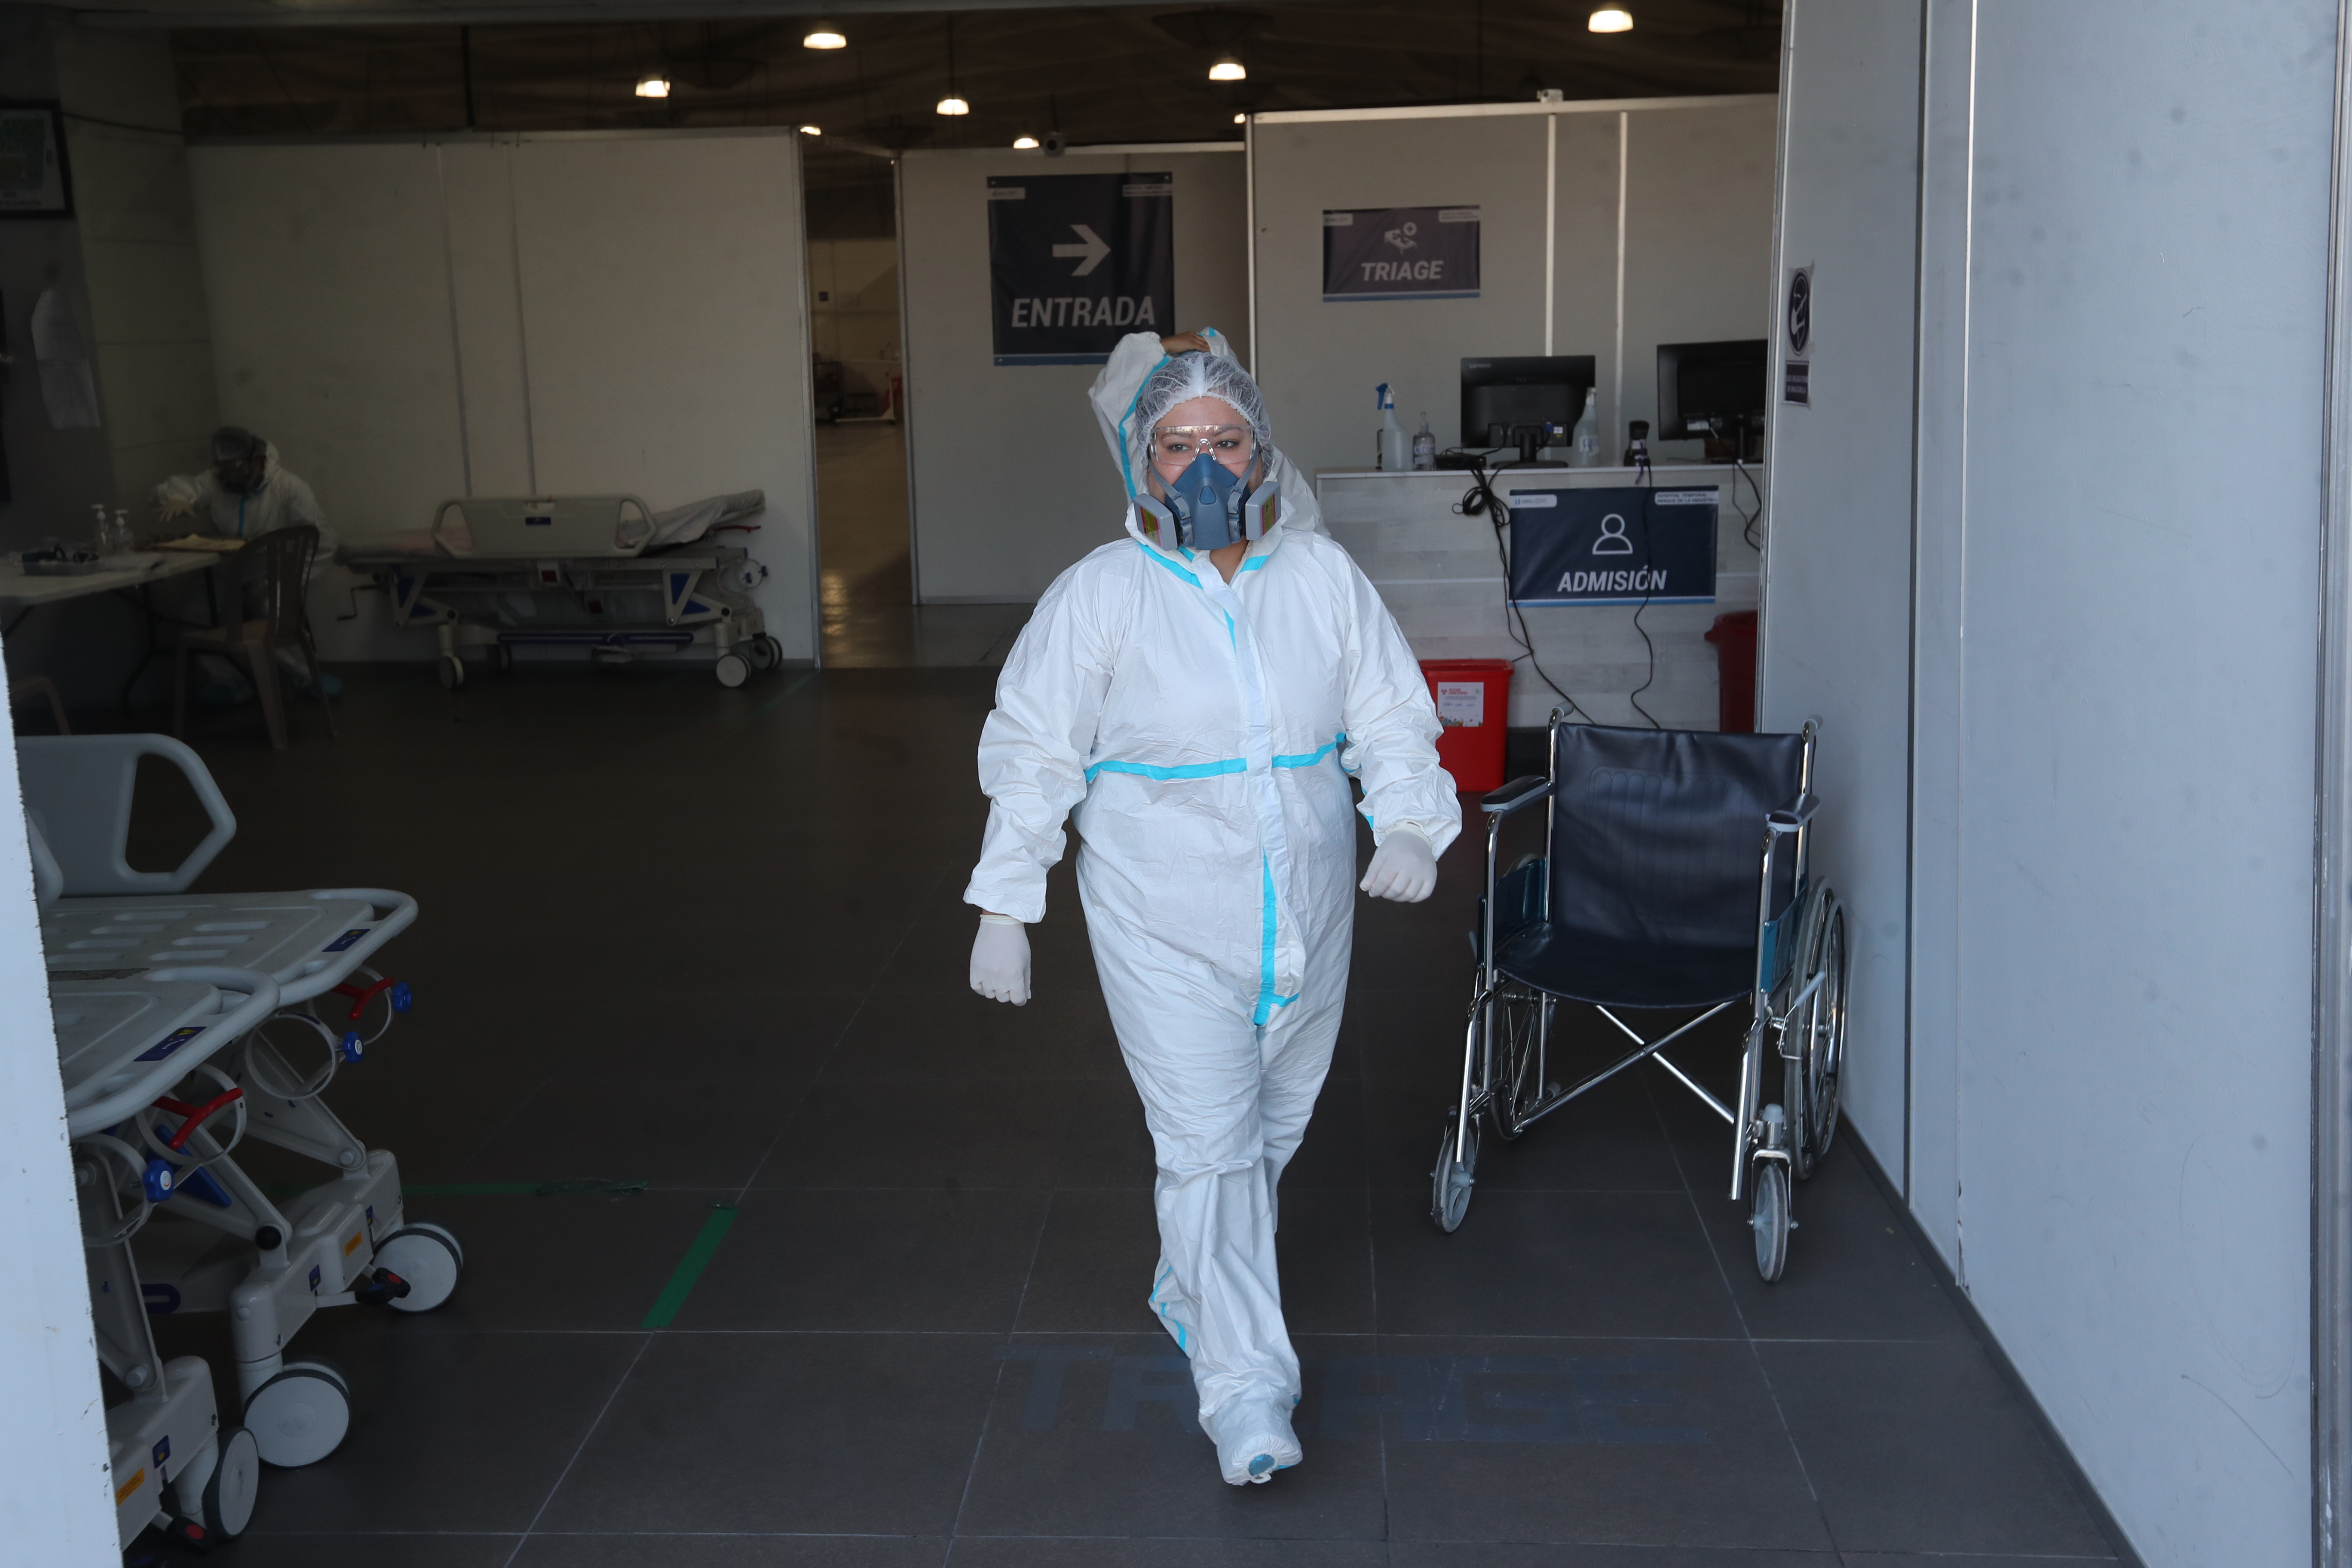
[(1443, 579)]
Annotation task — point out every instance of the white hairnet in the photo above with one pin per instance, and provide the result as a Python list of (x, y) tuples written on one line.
[(1178, 380)]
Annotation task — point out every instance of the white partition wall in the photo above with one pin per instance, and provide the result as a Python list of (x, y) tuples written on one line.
[(1660, 214), (2118, 315), (1838, 593), (995, 518), (566, 313)]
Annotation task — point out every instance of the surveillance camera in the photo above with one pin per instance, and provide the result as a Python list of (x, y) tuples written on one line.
[(1055, 144)]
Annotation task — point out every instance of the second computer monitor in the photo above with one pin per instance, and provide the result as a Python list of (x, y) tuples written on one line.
[(1535, 389), (1711, 388)]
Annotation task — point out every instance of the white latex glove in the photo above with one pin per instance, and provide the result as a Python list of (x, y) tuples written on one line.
[(1404, 867), (1000, 960), (175, 506)]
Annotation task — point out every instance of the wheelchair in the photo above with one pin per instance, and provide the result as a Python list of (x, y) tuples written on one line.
[(1675, 876)]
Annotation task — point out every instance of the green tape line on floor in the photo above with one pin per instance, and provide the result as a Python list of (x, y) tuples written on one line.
[(689, 1269), (466, 1189)]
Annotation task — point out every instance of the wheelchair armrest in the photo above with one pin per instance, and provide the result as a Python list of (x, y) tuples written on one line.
[(1518, 792), (1793, 818)]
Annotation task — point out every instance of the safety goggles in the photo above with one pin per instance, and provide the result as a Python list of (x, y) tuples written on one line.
[(1179, 444)]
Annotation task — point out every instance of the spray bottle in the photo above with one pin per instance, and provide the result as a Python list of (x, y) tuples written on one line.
[(1395, 448)]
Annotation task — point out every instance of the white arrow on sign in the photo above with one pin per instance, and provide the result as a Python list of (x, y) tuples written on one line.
[(1094, 249)]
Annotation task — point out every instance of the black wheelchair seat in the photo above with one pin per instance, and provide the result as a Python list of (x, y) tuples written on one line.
[(1613, 973), (1656, 844)]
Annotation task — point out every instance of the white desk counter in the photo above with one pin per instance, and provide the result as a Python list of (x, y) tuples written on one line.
[(1443, 579)]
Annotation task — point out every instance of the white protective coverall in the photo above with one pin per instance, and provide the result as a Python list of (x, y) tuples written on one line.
[(1114, 396), (1205, 734), (280, 499)]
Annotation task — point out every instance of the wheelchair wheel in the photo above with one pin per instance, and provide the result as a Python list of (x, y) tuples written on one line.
[(1517, 1084), (1812, 1089), (1768, 1216), (1451, 1182)]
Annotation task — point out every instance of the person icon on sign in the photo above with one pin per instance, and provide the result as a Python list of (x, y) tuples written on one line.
[(1613, 539)]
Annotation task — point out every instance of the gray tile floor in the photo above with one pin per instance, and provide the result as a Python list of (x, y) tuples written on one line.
[(710, 941)]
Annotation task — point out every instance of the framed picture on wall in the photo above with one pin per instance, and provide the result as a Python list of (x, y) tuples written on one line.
[(32, 178)]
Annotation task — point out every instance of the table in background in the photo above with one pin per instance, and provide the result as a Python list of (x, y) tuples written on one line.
[(21, 592)]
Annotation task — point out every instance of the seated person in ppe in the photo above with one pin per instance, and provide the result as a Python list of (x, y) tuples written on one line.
[(1117, 389), (244, 495), (1197, 697)]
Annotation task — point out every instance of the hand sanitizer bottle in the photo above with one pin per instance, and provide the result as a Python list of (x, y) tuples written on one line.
[(1424, 446), (1584, 442), (1396, 447)]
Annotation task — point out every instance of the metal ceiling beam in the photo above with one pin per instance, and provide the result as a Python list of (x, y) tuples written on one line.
[(437, 14)]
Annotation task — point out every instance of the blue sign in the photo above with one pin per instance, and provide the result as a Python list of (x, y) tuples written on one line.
[(1077, 262), (1400, 253), (170, 1043), (1623, 545)]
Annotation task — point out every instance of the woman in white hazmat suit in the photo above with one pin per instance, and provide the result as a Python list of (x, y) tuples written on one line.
[(1202, 709)]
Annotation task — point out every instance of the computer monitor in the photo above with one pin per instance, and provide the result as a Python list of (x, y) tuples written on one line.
[(1712, 389), (1535, 389)]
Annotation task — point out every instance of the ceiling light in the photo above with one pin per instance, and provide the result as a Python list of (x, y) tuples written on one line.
[(1023, 143), (954, 106), (812, 129), (1240, 119), (1611, 19), (824, 36), (653, 85), (1228, 69)]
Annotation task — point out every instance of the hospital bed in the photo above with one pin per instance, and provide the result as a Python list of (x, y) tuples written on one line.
[(226, 1245), (607, 573), (125, 1041)]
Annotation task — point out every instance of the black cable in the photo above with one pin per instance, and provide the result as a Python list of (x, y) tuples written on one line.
[(1650, 577), (1478, 500), (1748, 520)]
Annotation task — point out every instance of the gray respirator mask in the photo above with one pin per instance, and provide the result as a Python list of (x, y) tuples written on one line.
[(1207, 507)]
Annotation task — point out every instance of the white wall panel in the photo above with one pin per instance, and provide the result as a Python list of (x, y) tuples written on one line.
[(2148, 258), (1939, 527), (567, 313), (2124, 222), (664, 325), (1319, 363), (1837, 591), (1011, 479), (1698, 235)]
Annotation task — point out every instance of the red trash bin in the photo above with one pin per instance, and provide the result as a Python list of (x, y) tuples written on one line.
[(1733, 636), (1474, 704)]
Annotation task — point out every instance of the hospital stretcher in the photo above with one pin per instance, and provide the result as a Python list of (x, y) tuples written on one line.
[(604, 572), (226, 1245), (124, 1042)]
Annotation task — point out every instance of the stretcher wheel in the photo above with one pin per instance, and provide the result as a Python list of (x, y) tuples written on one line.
[(1812, 1076), (766, 652), (453, 672), (299, 1416), (236, 1480), (1450, 1182), (501, 659), (1768, 1216), (428, 1257), (733, 669)]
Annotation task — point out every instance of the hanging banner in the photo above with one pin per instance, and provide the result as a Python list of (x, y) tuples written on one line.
[(1400, 253), (1624, 545), (1077, 262)]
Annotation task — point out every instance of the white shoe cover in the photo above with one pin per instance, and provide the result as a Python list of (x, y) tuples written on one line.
[(1253, 1440)]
